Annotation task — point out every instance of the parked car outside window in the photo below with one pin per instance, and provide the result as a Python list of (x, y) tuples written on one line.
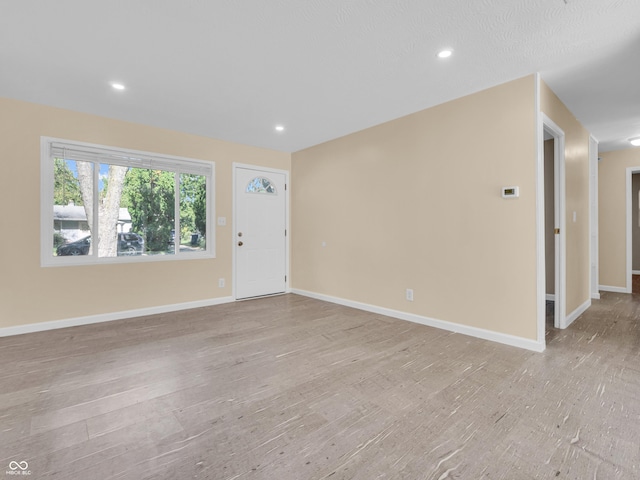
[(128, 244)]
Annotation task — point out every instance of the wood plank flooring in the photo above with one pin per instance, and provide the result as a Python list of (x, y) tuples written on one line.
[(291, 388)]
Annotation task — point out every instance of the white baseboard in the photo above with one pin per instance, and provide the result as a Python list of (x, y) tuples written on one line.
[(608, 288), (431, 322), (550, 297), (635, 272), (576, 313), (107, 317), (595, 296)]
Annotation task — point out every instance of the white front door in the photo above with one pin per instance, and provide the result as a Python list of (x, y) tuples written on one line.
[(260, 232)]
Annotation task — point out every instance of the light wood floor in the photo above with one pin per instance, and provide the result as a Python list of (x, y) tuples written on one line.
[(290, 388)]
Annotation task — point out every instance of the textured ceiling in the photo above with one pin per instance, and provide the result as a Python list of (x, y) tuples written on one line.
[(233, 69)]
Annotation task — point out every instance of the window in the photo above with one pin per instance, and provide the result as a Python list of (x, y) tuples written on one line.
[(102, 204), (261, 185)]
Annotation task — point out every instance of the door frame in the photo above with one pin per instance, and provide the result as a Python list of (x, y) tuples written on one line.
[(287, 245), (629, 233), (545, 124), (593, 220)]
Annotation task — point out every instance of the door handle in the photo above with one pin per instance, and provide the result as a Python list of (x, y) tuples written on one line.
[(240, 244)]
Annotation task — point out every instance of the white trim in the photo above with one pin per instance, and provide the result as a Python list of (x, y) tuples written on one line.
[(46, 200), (108, 317), (503, 338), (629, 237), (609, 288), (550, 297), (635, 272), (540, 223), (560, 214), (577, 312), (594, 271), (595, 296), (258, 168)]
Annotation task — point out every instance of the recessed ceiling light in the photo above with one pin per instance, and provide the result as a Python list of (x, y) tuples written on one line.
[(635, 141), (445, 53), (117, 86), (279, 128)]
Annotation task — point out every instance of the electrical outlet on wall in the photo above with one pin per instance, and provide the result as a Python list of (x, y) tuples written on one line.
[(409, 295), (221, 282)]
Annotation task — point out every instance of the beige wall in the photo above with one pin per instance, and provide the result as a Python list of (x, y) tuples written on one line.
[(412, 203), (416, 203), (612, 186), (577, 198), (30, 293)]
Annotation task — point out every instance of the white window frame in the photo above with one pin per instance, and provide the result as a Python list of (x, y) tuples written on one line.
[(100, 154)]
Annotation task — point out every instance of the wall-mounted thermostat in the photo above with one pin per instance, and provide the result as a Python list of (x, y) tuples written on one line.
[(510, 192)]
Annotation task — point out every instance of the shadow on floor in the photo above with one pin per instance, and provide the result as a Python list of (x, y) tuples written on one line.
[(550, 331)]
